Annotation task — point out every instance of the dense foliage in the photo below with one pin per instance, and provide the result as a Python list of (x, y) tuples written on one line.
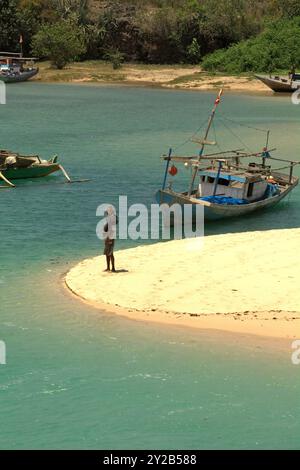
[(62, 42), (274, 49), (9, 33), (158, 31)]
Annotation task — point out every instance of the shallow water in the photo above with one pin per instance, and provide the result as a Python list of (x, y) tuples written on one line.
[(80, 378)]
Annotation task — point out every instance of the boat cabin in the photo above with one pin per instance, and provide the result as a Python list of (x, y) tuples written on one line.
[(232, 183), (15, 63), (295, 77), (14, 160), (9, 66)]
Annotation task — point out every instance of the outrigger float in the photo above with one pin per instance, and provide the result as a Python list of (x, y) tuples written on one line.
[(224, 183), (14, 166)]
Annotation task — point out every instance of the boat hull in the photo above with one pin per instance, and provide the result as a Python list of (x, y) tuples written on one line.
[(221, 211), (22, 77), (37, 171), (279, 85)]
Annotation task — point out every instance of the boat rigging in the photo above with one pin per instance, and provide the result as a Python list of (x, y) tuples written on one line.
[(224, 186)]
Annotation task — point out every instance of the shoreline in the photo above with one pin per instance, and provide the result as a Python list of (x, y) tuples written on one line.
[(89, 284), (212, 323), (157, 86), (169, 77)]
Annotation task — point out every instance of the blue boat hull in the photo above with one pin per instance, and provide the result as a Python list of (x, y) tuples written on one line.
[(221, 211)]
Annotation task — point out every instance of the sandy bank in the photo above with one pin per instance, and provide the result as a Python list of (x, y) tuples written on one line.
[(231, 83), (246, 282), (168, 76)]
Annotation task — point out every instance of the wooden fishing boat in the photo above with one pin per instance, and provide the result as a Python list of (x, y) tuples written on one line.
[(14, 166), (227, 184), (15, 77), (15, 68), (281, 84)]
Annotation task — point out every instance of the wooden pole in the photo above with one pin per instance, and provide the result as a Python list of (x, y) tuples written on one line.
[(21, 45), (210, 121), (268, 137), (167, 168), (284, 160), (266, 153), (291, 173), (217, 178)]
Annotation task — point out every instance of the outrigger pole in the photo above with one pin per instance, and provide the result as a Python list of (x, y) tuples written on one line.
[(204, 141), (65, 173), (6, 180), (69, 180)]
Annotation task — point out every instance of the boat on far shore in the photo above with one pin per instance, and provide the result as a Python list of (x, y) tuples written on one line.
[(15, 68), (281, 84)]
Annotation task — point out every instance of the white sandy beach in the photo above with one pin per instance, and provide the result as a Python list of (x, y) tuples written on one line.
[(245, 282)]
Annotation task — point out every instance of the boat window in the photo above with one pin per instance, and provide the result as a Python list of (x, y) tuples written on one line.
[(236, 184), (250, 189), (203, 178), (223, 182), (210, 179)]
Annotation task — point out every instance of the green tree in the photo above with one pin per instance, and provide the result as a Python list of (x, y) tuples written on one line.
[(290, 8), (227, 21), (70, 8), (29, 15), (194, 52), (45, 10), (119, 30), (9, 27), (61, 42), (156, 31), (161, 35), (115, 57), (276, 48)]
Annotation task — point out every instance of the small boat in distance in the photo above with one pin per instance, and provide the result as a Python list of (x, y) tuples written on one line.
[(15, 166), (16, 68), (281, 84), (225, 186)]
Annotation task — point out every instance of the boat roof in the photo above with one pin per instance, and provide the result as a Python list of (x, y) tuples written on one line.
[(232, 175), (24, 59), (226, 155)]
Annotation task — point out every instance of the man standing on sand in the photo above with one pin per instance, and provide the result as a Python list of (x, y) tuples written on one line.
[(109, 238)]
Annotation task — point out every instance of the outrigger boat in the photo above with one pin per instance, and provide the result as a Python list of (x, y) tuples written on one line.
[(281, 84), (16, 68), (15, 166), (226, 186)]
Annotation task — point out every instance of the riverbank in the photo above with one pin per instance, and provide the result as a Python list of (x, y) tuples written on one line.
[(244, 283), (167, 76)]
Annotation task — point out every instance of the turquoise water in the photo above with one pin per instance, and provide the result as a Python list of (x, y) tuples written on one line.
[(80, 378)]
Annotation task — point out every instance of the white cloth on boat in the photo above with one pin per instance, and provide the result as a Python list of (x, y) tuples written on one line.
[(11, 160)]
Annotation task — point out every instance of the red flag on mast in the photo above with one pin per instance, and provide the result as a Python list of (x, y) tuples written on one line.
[(219, 97)]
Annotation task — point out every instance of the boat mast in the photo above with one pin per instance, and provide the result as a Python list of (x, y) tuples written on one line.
[(21, 45), (266, 152), (167, 168), (204, 141)]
